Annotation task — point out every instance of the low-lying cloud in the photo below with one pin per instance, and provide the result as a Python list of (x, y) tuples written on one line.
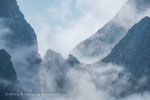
[(93, 82)]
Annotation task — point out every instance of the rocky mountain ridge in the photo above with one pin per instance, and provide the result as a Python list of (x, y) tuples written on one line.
[(100, 44)]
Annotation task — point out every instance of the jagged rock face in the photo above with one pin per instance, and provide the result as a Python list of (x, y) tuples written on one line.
[(133, 52), (8, 78), (100, 44)]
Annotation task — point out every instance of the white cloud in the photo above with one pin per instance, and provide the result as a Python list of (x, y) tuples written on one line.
[(66, 23)]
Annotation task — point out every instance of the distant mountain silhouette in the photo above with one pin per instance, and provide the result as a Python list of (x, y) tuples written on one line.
[(55, 65)]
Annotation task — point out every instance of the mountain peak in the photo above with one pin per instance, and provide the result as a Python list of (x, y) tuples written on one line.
[(53, 59), (9, 9), (52, 54), (145, 19)]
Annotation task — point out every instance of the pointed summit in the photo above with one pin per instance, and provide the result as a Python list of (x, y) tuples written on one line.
[(72, 61)]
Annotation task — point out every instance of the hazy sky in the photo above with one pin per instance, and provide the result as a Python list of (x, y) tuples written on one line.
[(62, 24)]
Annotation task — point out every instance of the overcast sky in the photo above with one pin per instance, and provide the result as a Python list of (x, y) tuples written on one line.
[(62, 24)]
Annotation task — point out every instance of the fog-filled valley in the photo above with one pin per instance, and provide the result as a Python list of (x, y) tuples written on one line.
[(112, 64)]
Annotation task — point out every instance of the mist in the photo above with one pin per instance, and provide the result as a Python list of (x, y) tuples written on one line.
[(61, 25), (54, 77), (103, 41), (90, 82)]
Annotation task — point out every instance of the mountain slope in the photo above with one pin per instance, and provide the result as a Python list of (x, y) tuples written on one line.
[(19, 39), (20, 34), (133, 52), (100, 44)]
